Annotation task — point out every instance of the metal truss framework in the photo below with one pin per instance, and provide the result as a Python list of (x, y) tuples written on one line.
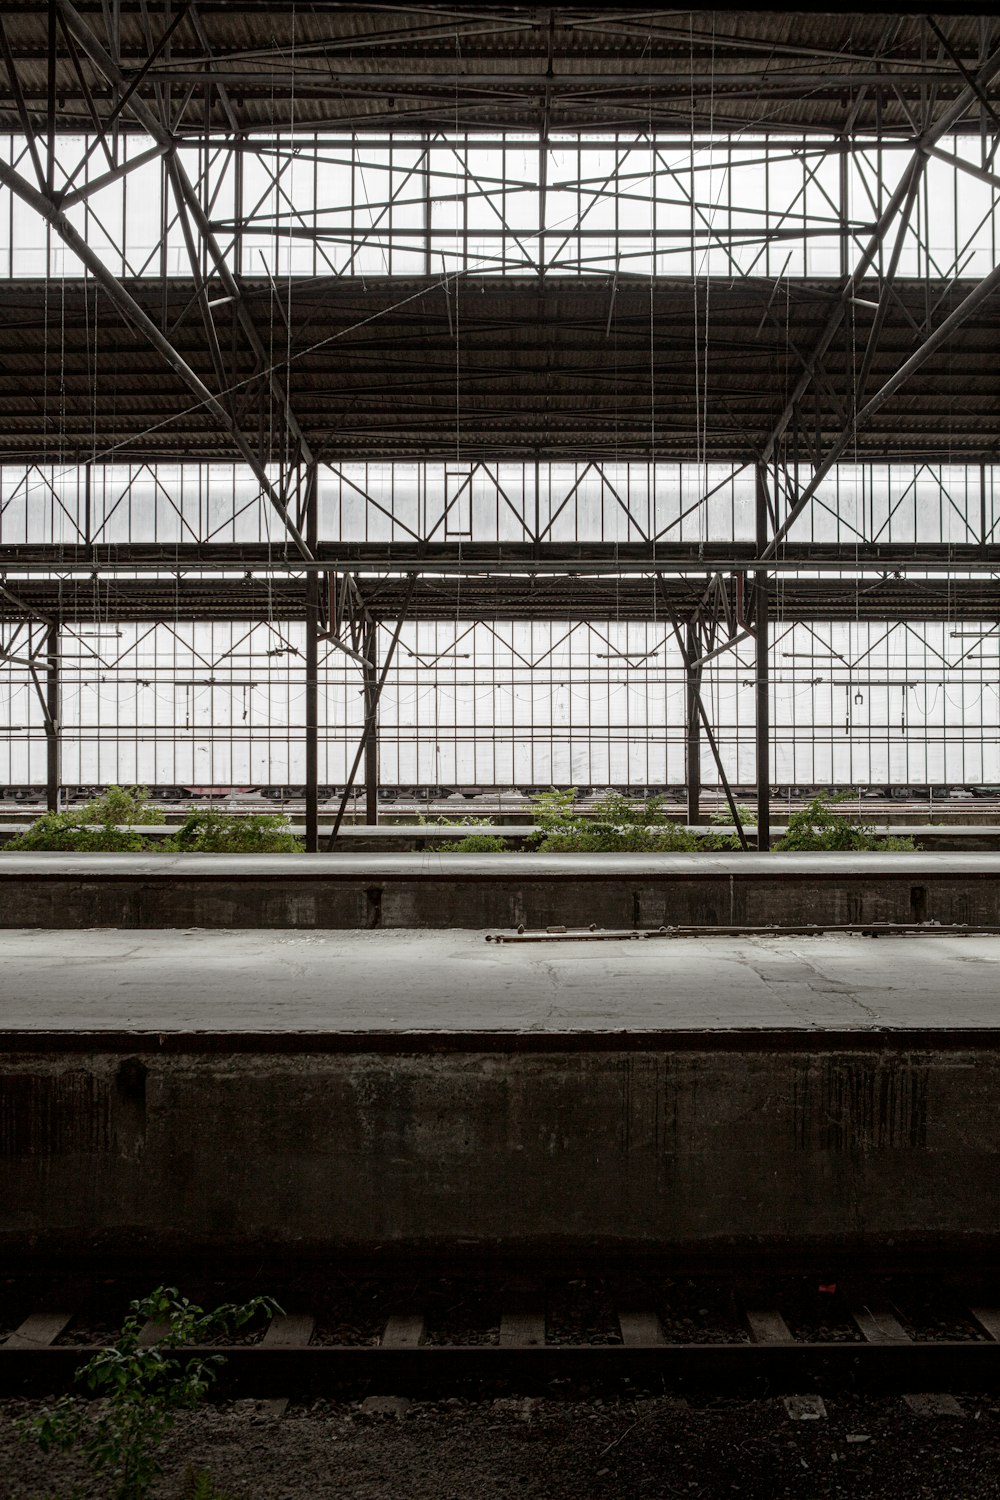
[(903, 313), (236, 65), (500, 703)]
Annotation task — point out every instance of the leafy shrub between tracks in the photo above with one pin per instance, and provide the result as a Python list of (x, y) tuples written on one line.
[(112, 824), (141, 1388), (106, 824), (817, 827), (210, 832), (618, 825)]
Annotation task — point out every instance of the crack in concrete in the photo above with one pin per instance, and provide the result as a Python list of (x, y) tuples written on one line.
[(819, 983)]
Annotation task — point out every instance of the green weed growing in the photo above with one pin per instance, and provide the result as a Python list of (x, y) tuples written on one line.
[(200, 1485), (817, 827), (107, 824), (208, 831), (475, 842), (616, 825), (724, 842), (140, 1391)]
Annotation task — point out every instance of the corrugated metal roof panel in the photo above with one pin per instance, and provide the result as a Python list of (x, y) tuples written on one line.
[(539, 369), (609, 68)]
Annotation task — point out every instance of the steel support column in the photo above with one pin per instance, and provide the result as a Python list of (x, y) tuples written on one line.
[(694, 685), (692, 740), (763, 673), (371, 709), (372, 696), (53, 740), (314, 593)]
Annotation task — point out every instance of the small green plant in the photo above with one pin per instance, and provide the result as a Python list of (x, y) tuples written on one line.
[(141, 1391), (555, 812), (107, 824), (199, 1485), (616, 825), (723, 842), (476, 843), (817, 827), (446, 822), (210, 832)]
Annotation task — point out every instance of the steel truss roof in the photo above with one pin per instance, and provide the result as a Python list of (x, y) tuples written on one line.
[(225, 65), (557, 368), (513, 597)]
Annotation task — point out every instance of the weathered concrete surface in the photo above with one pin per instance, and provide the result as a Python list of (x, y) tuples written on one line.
[(676, 1150), (477, 891), (440, 983), (341, 1092)]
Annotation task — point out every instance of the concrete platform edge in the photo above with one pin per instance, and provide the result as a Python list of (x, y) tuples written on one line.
[(735, 1039)]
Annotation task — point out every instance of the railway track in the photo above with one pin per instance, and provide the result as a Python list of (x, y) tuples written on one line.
[(926, 1336), (499, 803)]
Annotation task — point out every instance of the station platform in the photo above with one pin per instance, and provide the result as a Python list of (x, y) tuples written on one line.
[(359, 1093), (447, 890)]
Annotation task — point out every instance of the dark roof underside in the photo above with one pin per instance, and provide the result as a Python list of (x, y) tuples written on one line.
[(501, 368), (252, 64), (608, 598)]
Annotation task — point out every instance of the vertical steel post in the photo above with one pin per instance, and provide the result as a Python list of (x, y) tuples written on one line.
[(762, 675), (314, 584), (371, 719), (50, 119), (53, 743), (692, 741)]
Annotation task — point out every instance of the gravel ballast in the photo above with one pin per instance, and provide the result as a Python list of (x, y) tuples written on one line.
[(541, 1449)]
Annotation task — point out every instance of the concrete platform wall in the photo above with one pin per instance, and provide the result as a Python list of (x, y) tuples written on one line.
[(568, 1146), (499, 890)]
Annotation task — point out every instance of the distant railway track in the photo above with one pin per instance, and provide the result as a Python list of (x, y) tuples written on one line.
[(869, 1334), (393, 803), (877, 797)]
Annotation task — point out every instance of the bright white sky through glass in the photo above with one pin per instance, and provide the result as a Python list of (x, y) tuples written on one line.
[(315, 206)]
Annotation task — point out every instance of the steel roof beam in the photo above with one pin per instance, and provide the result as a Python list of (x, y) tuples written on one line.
[(921, 146), (134, 314), (150, 121)]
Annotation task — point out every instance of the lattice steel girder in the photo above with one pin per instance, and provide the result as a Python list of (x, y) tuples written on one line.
[(641, 598), (164, 137), (701, 560), (922, 143), (134, 314), (979, 295), (379, 66)]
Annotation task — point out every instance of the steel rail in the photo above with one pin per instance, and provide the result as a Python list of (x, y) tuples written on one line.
[(314, 1369)]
